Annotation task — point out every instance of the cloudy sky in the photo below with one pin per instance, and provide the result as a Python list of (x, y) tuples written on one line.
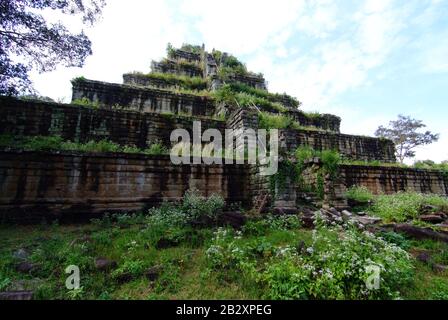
[(365, 61)]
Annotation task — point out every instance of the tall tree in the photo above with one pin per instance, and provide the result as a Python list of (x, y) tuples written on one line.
[(28, 41), (404, 133)]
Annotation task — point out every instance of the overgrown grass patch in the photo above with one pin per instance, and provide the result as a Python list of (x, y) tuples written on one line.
[(57, 143)]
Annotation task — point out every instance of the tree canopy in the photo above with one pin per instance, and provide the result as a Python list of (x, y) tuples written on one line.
[(404, 133), (28, 41)]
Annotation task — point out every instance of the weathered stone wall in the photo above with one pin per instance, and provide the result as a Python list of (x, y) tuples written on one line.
[(186, 55), (379, 180), (349, 146), (175, 67), (75, 185), (259, 186), (254, 81), (145, 81), (82, 124), (324, 121), (108, 95)]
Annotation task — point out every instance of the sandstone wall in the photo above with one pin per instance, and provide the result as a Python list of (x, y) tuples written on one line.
[(324, 121), (142, 99), (351, 147), (75, 185), (186, 55), (82, 124), (393, 179), (174, 67), (145, 81), (379, 180), (254, 81)]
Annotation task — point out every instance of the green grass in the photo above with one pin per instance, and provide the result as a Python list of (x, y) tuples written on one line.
[(398, 207), (188, 83), (55, 143), (229, 95), (186, 272), (404, 206)]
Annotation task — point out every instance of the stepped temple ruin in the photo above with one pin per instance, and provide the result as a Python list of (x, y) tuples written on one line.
[(189, 85)]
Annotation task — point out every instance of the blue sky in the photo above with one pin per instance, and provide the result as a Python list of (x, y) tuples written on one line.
[(366, 61)]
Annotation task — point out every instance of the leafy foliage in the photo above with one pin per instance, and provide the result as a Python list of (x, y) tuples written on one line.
[(243, 99), (402, 206), (189, 83), (332, 267), (85, 102), (273, 97), (47, 143), (275, 121), (404, 133), (359, 194), (39, 44)]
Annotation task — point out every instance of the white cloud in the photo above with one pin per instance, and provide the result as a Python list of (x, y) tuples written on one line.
[(242, 27)]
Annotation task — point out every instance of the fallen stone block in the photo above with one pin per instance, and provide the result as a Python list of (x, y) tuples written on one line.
[(421, 233), (104, 264), (16, 295), (431, 218)]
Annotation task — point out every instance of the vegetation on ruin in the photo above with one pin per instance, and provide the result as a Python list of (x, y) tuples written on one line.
[(57, 143), (276, 121), (85, 102), (359, 194), (189, 83), (179, 251), (291, 169), (273, 97), (229, 66), (227, 95), (398, 207)]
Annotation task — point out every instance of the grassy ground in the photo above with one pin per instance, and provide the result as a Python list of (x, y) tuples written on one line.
[(184, 275)]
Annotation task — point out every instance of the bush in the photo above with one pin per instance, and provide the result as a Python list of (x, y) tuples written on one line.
[(271, 223), (92, 146), (198, 207), (192, 208), (359, 194), (41, 143), (275, 121), (244, 99), (335, 266), (402, 206), (156, 148), (330, 161), (188, 83), (85, 102)]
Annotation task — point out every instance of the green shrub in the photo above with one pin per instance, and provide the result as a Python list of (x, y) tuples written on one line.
[(359, 194), (274, 121), (198, 207), (85, 102), (330, 161), (244, 99), (271, 223), (92, 146), (402, 206), (156, 148), (41, 143), (335, 266), (133, 268), (273, 97), (187, 83), (192, 208)]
